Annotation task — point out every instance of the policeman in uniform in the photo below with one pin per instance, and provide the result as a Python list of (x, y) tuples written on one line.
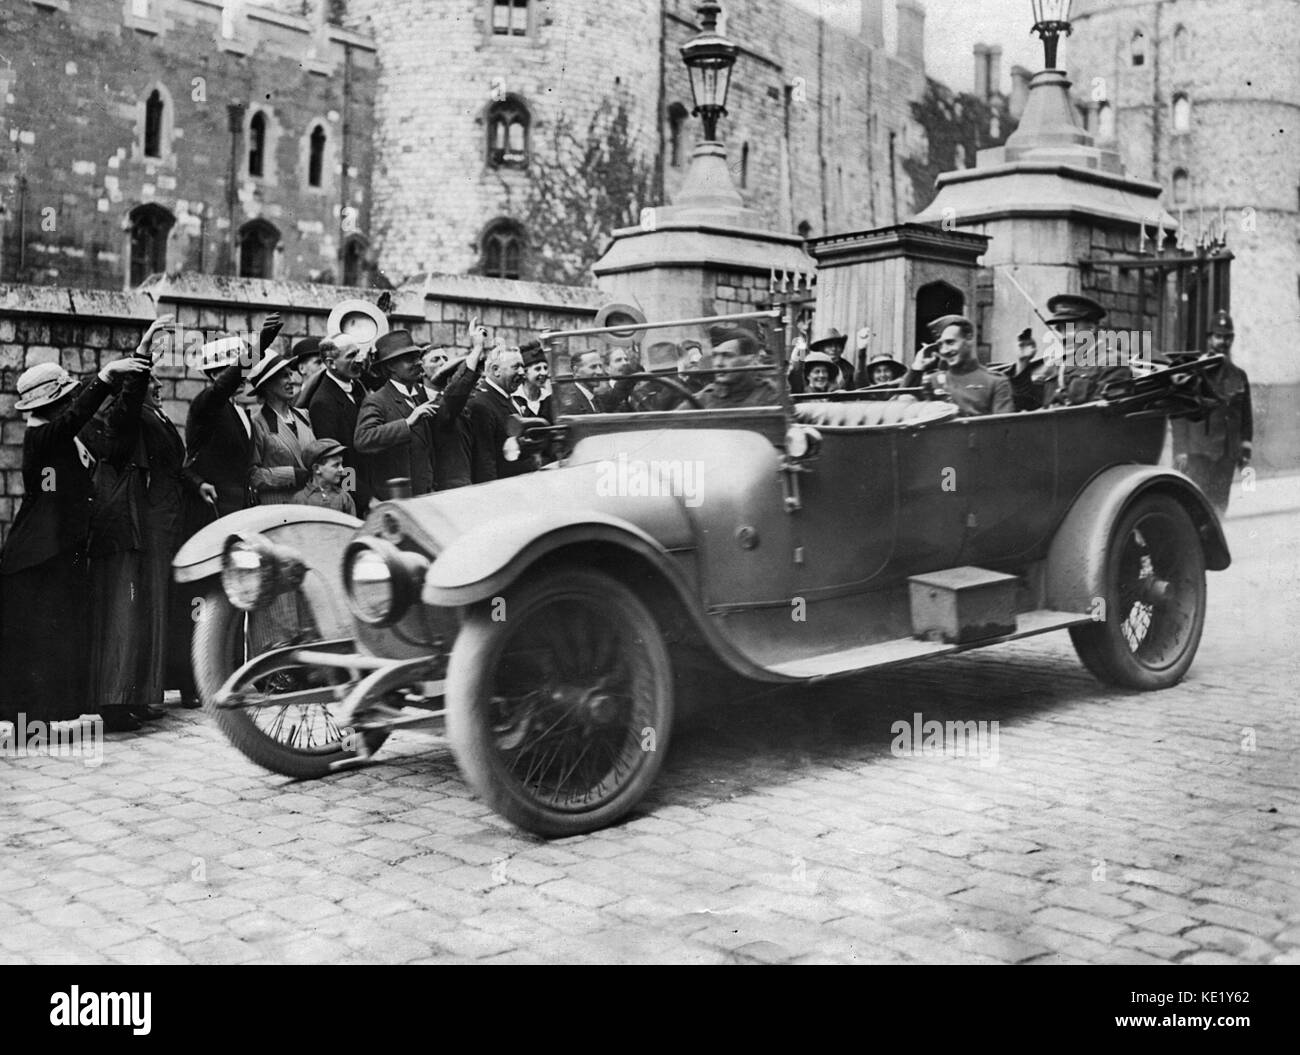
[(1209, 450)]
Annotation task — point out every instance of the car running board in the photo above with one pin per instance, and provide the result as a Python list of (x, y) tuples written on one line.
[(907, 649)]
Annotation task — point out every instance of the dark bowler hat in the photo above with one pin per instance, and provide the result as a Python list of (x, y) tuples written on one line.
[(1075, 308), (532, 353), (396, 343), (1025, 336), (1221, 324), (307, 348), (937, 326), (832, 338)]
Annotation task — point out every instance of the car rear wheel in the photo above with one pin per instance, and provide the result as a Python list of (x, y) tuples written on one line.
[(1154, 604), (560, 701), (295, 740)]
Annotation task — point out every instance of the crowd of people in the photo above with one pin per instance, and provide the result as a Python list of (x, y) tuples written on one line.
[(90, 620)]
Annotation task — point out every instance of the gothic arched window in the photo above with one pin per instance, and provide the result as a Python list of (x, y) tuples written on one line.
[(153, 125), (1182, 187), (150, 226), (1182, 113), (316, 157), (257, 145), (502, 248), (676, 121), (257, 242), (1138, 48), (508, 122)]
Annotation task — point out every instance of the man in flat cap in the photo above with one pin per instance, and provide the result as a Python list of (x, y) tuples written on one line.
[(1210, 450), (955, 374), (735, 348), (1075, 318)]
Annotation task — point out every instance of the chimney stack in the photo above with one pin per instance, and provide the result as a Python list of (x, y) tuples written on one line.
[(911, 33), (873, 23), (981, 71), (995, 71), (1019, 91)]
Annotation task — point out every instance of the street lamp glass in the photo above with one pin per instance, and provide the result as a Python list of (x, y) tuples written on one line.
[(1051, 10)]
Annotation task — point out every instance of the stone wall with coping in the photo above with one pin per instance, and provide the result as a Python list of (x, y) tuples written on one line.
[(83, 329)]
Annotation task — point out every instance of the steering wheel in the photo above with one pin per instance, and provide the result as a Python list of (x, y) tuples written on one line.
[(679, 388)]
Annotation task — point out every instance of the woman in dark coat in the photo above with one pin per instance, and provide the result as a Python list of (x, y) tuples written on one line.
[(44, 578)]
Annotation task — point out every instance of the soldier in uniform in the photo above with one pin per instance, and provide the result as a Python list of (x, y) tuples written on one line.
[(955, 374), (1209, 450), (1083, 371), (735, 348)]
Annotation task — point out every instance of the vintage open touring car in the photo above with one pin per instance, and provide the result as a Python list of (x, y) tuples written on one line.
[(536, 621)]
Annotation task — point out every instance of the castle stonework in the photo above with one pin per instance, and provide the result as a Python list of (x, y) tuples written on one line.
[(117, 156), (1203, 97)]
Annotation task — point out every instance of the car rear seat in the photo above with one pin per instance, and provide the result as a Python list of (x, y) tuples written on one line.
[(866, 413)]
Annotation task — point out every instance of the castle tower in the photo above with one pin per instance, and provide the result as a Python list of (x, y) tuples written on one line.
[(473, 98), (1201, 97)]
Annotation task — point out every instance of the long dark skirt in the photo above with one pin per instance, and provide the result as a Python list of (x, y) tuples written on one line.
[(170, 621), (120, 645), (44, 641)]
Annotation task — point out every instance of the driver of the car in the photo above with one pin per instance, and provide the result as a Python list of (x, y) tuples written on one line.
[(734, 349)]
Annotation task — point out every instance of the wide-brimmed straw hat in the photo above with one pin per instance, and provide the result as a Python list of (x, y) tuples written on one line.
[(43, 384)]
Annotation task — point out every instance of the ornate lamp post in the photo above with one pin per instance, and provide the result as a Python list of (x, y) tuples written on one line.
[(1051, 20), (709, 58)]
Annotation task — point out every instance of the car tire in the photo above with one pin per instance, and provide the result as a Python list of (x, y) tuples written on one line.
[(565, 679), (1154, 599), (300, 741)]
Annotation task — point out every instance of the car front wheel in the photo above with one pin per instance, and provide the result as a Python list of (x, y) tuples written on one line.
[(1154, 604), (560, 701)]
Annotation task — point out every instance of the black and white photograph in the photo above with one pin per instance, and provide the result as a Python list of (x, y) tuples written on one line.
[(583, 482)]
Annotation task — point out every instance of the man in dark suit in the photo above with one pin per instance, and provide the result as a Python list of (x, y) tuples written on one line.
[(334, 408), (394, 434), (218, 431), (578, 396), (490, 409), (454, 385), (1210, 450)]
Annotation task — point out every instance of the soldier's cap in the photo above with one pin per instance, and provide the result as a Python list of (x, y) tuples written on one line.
[(750, 342), (43, 384), (532, 353), (937, 326), (1221, 324), (319, 449), (396, 343), (1025, 336), (1074, 307)]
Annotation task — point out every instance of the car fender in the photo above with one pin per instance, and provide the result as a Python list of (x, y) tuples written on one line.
[(305, 527), (1076, 559), (482, 563)]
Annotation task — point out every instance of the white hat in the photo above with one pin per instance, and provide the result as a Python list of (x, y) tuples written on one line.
[(359, 319), (41, 385), (221, 352), (267, 367)]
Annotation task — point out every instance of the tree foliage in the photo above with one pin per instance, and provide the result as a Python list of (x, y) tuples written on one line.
[(582, 185)]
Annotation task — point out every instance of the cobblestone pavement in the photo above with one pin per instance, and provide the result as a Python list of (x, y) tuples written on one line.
[(1111, 828)]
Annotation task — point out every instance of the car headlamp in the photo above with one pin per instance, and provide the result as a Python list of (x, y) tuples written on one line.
[(381, 580), (254, 569)]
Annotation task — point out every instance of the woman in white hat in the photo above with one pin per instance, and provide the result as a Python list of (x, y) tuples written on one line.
[(281, 432), (44, 583)]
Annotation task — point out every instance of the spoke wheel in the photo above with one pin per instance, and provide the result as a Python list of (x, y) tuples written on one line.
[(297, 740), (559, 713), (1154, 600)]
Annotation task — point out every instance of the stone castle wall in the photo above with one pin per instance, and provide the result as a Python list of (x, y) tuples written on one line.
[(72, 161)]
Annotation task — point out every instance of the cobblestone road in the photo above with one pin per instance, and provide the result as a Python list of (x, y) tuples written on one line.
[(1112, 828)]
